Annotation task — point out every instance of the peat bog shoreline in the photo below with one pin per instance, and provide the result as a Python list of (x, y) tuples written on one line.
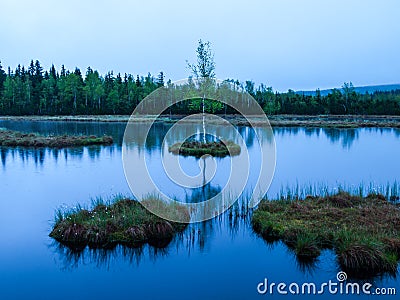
[(330, 121), (363, 232)]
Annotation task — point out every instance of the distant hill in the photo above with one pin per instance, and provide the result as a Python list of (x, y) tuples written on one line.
[(359, 89)]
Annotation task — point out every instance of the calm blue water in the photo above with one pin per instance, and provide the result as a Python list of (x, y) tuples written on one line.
[(219, 259)]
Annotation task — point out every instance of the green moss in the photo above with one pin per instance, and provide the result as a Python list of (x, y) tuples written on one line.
[(363, 232), (124, 221), (18, 139)]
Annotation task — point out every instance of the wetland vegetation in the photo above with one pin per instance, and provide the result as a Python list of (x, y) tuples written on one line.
[(122, 221), (362, 231), (304, 121), (198, 148), (12, 138)]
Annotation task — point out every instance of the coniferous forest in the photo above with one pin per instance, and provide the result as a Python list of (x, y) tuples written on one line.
[(35, 91)]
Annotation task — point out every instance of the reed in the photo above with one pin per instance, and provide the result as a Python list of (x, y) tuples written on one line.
[(391, 191)]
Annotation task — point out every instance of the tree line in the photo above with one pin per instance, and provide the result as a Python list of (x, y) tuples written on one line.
[(35, 91)]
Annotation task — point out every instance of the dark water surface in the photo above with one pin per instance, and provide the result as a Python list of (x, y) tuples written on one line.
[(218, 259)]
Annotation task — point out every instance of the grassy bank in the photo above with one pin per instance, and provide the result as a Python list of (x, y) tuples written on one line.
[(364, 232), (122, 221), (326, 121), (198, 149), (18, 139)]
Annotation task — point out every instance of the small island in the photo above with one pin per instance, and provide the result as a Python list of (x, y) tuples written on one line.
[(363, 232), (12, 138), (122, 221), (198, 148)]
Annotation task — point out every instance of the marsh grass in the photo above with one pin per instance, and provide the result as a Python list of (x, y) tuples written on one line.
[(119, 221), (363, 231), (391, 191), (198, 149), (18, 139)]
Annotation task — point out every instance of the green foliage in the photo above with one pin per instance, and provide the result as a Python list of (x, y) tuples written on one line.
[(33, 91), (205, 66), (210, 106), (272, 108)]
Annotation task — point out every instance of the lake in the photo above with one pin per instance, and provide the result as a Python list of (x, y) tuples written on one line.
[(218, 259)]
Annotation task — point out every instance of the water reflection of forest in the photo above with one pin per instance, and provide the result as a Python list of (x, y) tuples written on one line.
[(153, 142), (115, 129), (38, 156), (346, 137)]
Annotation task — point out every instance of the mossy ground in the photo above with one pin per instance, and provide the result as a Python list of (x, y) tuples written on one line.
[(363, 232), (124, 221), (18, 139), (198, 149)]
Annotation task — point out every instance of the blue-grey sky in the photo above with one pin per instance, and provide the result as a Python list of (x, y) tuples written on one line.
[(285, 44)]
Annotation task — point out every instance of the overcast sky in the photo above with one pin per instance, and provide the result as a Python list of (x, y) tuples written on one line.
[(283, 43)]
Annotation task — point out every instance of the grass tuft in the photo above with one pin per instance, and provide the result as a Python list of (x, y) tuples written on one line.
[(363, 231), (121, 221), (198, 149)]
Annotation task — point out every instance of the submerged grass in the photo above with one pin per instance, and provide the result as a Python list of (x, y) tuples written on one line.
[(363, 231), (18, 139), (198, 149), (121, 221)]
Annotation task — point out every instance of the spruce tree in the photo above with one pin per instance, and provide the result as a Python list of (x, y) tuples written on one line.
[(2, 78), (160, 79)]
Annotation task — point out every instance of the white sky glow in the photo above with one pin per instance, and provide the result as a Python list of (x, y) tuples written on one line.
[(286, 44)]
